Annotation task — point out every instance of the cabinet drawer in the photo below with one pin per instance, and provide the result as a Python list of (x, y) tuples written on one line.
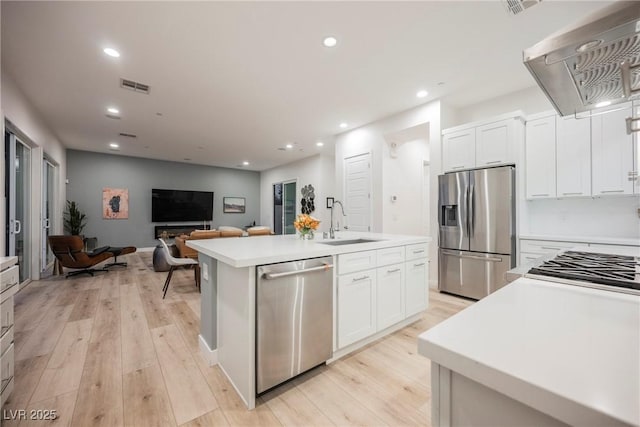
[(6, 310), (545, 247), (528, 258), (390, 255), (6, 366), (626, 249), (416, 251), (356, 261), (8, 278), (6, 392), (6, 340)]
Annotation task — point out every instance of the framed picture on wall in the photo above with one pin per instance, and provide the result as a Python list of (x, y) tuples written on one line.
[(115, 203), (234, 205)]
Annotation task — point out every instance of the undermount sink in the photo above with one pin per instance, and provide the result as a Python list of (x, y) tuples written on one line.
[(347, 242)]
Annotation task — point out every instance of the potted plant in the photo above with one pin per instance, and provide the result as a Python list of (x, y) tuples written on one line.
[(74, 219)]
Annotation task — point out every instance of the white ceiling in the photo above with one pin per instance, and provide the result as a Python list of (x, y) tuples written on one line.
[(235, 81)]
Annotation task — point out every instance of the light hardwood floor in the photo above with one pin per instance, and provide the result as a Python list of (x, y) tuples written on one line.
[(108, 351)]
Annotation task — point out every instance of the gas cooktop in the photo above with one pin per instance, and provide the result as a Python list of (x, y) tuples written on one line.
[(612, 270)]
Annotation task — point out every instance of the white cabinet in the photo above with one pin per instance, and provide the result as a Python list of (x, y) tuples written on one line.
[(540, 152), (573, 157), (416, 289), (480, 144), (458, 150), (612, 153), (8, 287), (356, 306), (390, 295), (494, 143)]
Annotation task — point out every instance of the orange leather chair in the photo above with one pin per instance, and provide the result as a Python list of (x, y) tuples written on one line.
[(69, 251)]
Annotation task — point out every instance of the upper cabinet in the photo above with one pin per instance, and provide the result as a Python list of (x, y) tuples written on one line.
[(590, 156), (481, 144), (458, 150), (540, 152), (612, 153), (573, 157)]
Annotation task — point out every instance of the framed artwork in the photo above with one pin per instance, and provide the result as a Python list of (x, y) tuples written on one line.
[(330, 202), (115, 203), (233, 204)]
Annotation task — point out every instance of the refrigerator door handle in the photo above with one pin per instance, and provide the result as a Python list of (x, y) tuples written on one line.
[(470, 208)]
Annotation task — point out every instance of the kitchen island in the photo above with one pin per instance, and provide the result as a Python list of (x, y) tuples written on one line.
[(379, 286), (538, 353)]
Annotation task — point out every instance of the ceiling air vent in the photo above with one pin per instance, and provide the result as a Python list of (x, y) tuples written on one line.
[(135, 86), (517, 6), (127, 135)]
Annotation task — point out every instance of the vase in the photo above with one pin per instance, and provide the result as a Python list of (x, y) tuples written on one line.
[(306, 234)]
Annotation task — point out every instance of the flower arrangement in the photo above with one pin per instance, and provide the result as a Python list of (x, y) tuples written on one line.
[(306, 224)]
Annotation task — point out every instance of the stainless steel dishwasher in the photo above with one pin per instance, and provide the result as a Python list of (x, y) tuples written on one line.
[(294, 319)]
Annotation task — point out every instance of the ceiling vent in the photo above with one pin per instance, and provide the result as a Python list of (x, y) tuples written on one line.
[(127, 135), (518, 6), (134, 86)]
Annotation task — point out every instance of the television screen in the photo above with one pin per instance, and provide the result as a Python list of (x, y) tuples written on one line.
[(179, 205)]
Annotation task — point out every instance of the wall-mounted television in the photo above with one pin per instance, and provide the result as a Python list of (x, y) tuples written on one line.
[(180, 205)]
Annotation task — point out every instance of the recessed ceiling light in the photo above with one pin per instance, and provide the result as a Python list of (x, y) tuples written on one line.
[(603, 104), (245, 163), (422, 93), (114, 145), (343, 125), (330, 41), (113, 110), (289, 146), (319, 143), (111, 52)]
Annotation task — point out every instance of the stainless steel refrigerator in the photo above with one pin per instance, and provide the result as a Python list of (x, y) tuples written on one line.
[(477, 222)]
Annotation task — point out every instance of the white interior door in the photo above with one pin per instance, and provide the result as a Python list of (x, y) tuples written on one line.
[(357, 192), (48, 173)]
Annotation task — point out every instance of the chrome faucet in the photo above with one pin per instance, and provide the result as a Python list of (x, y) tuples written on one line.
[(332, 231)]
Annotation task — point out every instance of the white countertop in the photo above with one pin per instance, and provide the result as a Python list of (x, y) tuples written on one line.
[(568, 351), (258, 250), (599, 240)]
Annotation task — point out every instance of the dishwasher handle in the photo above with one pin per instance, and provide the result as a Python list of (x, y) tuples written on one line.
[(271, 276)]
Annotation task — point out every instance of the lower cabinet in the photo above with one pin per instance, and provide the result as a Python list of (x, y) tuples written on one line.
[(356, 306), (391, 299), (416, 289), (388, 288)]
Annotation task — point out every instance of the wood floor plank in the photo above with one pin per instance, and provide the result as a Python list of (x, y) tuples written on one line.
[(188, 324), (146, 402), (64, 369), (27, 374), (86, 305), (62, 405), (50, 329), (100, 393), (137, 346), (293, 408), (335, 403), (213, 418), (155, 310), (188, 391), (109, 287)]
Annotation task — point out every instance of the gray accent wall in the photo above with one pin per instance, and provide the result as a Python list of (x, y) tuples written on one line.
[(88, 173)]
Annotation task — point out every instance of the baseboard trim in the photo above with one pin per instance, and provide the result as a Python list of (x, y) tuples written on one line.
[(150, 249), (211, 356)]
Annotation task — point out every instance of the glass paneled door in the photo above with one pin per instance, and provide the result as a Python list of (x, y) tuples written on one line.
[(284, 207), (48, 173), (18, 190)]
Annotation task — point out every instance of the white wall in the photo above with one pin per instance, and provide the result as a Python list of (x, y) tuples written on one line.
[(389, 175), (531, 100), (18, 110), (319, 171)]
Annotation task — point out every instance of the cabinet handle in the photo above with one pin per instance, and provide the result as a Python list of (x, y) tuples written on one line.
[(419, 251), (358, 279), (539, 195), (571, 194), (612, 191), (395, 270), (493, 162), (457, 167), (550, 247), (419, 264)]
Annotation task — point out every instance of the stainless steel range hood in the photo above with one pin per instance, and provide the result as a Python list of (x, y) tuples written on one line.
[(595, 61)]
